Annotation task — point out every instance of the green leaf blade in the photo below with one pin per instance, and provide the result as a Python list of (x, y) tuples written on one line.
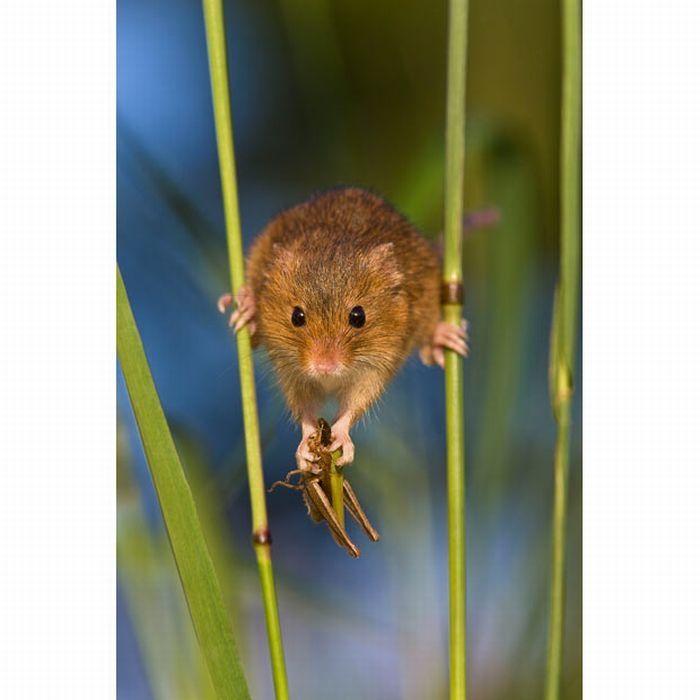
[(194, 564)]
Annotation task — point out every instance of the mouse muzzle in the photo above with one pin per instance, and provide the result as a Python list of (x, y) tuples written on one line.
[(325, 361)]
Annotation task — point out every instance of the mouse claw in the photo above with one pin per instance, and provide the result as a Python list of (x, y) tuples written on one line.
[(240, 318), (223, 302)]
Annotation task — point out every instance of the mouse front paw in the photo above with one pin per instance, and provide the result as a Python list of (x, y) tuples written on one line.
[(341, 440), (305, 458), (244, 313)]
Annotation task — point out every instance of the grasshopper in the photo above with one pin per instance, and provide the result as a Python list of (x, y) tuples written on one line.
[(315, 487)]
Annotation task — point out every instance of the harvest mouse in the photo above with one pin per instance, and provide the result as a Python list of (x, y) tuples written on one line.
[(340, 290)]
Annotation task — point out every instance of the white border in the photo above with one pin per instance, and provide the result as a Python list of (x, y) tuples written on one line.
[(641, 331), (57, 372)]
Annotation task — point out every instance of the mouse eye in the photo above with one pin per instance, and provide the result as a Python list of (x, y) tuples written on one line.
[(357, 317), (298, 317)]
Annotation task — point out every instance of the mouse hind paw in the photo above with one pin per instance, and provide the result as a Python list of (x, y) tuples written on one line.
[(446, 336)]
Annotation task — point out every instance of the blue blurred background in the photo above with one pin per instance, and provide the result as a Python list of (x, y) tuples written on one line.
[(350, 91)]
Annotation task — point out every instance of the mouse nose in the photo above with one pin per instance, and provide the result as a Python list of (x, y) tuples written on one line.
[(328, 362), (326, 365)]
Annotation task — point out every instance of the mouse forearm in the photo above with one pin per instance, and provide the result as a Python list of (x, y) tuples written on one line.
[(355, 401), (353, 405)]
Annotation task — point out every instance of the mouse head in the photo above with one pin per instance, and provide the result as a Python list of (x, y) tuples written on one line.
[(327, 314)]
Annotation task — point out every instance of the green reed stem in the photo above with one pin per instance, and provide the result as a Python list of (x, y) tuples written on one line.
[(337, 488), (452, 313), (564, 325), (216, 44)]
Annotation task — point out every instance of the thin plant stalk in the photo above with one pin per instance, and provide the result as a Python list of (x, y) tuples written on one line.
[(216, 44), (337, 478), (564, 326), (194, 564), (452, 313)]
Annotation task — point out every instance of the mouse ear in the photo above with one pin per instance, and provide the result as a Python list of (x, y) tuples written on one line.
[(382, 256), (282, 256)]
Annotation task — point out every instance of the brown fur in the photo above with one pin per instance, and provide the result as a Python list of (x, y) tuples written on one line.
[(344, 248)]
